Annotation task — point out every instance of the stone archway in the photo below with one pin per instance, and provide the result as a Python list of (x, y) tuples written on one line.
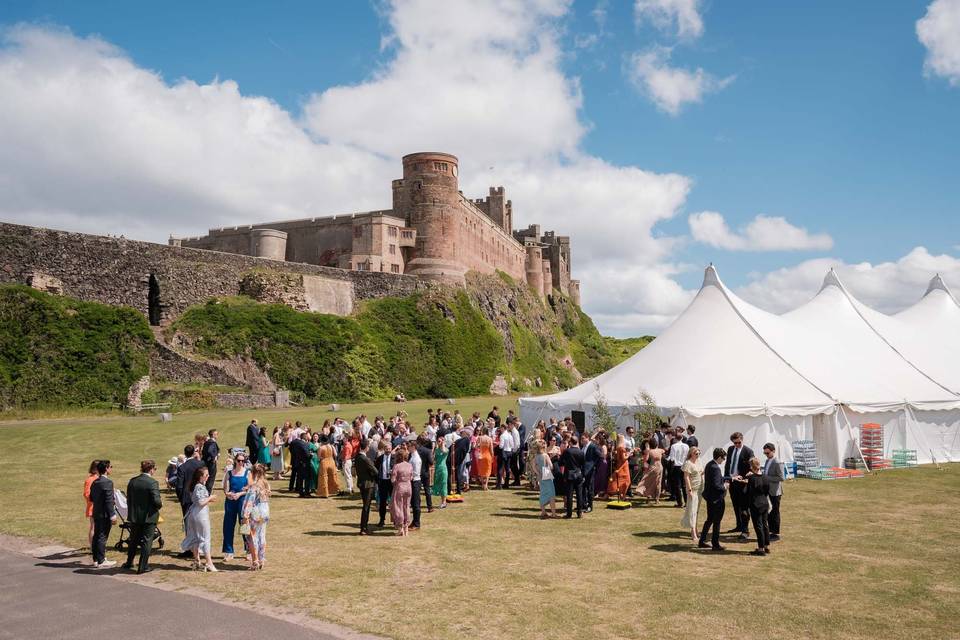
[(153, 301)]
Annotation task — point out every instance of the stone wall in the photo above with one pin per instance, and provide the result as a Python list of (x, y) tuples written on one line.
[(123, 272), (252, 400), (172, 366)]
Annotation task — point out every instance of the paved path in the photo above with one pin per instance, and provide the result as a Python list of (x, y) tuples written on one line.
[(58, 597)]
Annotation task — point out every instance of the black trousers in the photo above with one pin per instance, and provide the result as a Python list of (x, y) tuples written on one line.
[(425, 483), (366, 498), (677, 486), (774, 518), (634, 476), (665, 477), (714, 516), (574, 487), (415, 487), (384, 491), (515, 465), (294, 472), (759, 517), (507, 461), (212, 468), (302, 473), (101, 531), (738, 498), (141, 537), (589, 484)]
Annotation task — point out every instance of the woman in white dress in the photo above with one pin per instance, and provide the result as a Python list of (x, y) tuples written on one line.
[(198, 521), (693, 479)]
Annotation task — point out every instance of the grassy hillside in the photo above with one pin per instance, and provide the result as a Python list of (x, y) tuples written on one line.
[(406, 344), (442, 342), (60, 351), (622, 348)]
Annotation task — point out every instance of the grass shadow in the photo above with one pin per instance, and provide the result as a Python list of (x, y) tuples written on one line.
[(662, 534), (523, 516)]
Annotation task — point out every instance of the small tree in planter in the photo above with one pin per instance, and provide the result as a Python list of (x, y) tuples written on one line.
[(602, 417), (646, 414)]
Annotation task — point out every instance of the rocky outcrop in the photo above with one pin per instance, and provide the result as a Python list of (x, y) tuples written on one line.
[(135, 393), (499, 386)]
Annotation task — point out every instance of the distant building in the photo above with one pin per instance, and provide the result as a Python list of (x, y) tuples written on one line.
[(432, 232)]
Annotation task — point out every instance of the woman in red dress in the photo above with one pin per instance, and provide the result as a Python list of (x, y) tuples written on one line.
[(484, 457), (620, 478)]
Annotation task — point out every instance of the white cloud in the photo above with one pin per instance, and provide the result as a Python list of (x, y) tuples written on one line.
[(89, 141), (763, 233), (939, 31), (668, 15), (885, 286), (669, 87)]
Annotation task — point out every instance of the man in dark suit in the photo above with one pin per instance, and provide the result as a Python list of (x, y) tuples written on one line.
[(300, 460), (692, 439), (184, 474), (143, 510), (736, 468), (210, 455), (495, 415), (253, 439), (519, 460), (591, 458), (104, 514), (461, 453), (384, 466), (425, 452), (774, 472), (366, 482), (714, 491), (572, 462)]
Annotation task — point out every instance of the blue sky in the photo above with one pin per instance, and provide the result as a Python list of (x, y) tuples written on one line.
[(821, 113)]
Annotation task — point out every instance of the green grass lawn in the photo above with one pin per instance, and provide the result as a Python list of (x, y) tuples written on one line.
[(872, 557)]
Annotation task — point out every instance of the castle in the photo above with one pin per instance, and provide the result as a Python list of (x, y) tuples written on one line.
[(433, 232)]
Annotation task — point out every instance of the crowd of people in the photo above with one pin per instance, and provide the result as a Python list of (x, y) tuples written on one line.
[(404, 469)]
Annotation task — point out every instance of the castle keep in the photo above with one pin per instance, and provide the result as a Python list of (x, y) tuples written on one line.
[(432, 232)]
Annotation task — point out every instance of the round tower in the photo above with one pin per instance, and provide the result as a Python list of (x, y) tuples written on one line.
[(547, 278), (268, 243), (534, 269), (428, 198)]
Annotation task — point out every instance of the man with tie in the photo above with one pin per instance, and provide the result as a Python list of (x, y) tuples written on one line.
[(737, 467), (774, 472), (714, 490), (104, 514), (384, 482), (591, 458), (143, 509), (366, 482)]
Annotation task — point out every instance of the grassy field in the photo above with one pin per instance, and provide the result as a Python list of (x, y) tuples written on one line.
[(873, 557)]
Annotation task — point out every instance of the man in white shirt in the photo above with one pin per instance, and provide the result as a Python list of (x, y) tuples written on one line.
[(509, 446), (678, 455)]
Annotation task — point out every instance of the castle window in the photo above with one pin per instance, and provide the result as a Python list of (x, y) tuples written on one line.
[(393, 249), (392, 232), (395, 268), (440, 166)]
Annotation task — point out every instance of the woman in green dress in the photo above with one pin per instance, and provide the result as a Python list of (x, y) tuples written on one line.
[(440, 455), (264, 456), (314, 464)]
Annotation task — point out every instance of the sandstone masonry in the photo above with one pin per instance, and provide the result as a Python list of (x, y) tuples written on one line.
[(161, 281), (432, 232)]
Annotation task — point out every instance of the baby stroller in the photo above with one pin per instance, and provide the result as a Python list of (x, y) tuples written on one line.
[(120, 502)]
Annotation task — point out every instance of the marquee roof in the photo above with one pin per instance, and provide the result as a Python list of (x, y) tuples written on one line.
[(723, 355)]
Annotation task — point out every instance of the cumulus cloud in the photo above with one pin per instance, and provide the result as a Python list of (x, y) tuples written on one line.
[(939, 31), (90, 141), (670, 88), (885, 286), (763, 233), (681, 16)]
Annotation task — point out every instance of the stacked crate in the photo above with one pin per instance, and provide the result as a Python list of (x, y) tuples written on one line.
[(854, 463), (871, 446), (904, 458), (805, 456)]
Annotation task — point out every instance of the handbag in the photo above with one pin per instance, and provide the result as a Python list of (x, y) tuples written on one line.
[(275, 451), (245, 529)]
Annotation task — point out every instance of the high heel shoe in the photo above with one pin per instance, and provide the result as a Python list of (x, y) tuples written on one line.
[(209, 568)]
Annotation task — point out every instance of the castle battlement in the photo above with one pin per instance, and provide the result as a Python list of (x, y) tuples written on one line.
[(433, 231)]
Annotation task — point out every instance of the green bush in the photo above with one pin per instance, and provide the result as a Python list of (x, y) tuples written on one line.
[(60, 351)]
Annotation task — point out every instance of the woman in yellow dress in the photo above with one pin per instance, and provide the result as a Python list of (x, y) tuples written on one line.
[(328, 483)]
